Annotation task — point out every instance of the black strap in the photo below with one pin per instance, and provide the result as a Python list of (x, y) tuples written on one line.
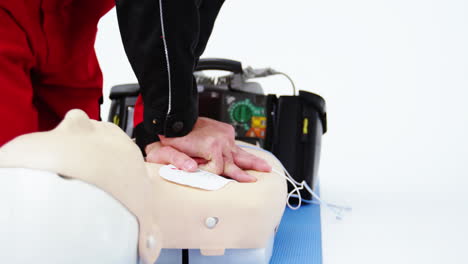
[(185, 256)]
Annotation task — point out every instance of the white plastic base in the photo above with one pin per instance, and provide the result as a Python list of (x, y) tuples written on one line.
[(45, 218), (231, 256)]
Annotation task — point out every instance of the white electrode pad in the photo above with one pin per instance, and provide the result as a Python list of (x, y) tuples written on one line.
[(199, 179)]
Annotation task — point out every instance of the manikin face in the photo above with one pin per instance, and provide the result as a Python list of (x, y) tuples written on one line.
[(78, 146)]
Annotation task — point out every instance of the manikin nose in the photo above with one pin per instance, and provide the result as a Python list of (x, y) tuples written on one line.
[(77, 120)]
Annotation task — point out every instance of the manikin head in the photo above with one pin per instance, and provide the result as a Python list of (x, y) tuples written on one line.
[(96, 153)]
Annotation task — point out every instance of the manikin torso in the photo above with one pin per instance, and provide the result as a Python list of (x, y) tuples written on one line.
[(82, 193)]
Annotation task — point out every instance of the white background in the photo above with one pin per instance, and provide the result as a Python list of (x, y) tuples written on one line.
[(395, 78)]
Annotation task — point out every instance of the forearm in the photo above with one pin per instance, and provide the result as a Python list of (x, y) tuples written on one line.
[(163, 40), (161, 52)]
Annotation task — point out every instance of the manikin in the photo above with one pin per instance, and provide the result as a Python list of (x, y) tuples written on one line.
[(82, 193)]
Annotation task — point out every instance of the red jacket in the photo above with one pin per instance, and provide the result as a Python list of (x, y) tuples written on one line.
[(47, 62)]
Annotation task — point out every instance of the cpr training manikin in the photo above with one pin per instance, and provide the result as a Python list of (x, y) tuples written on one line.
[(82, 193)]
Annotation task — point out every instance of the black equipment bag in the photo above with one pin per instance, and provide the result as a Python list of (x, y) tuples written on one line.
[(296, 136), (291, 127)]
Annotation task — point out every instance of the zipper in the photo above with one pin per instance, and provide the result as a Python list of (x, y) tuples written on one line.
[(166, 52)]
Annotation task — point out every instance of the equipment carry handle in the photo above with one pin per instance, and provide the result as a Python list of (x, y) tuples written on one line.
[(219, 64)]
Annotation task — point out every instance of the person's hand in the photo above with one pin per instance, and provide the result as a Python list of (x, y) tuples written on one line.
[(211, 144)]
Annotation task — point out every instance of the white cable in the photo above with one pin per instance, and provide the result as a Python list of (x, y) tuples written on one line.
[(336, 209), (289, 78), (250, 72), (167, 58), (296, 189), (340, 207)]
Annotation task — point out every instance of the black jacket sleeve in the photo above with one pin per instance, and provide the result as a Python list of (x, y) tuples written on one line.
[(163, 40)]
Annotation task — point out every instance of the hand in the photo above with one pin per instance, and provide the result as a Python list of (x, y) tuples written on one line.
[(210, 142)]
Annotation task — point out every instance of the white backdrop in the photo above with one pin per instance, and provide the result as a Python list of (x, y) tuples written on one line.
[(395, 78)]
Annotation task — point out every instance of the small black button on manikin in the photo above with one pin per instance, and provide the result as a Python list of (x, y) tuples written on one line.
[(177, 126)]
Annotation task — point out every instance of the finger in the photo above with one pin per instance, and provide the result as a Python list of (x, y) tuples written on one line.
[(194, 148), (248, 161), (193, 154), (151, 146), (215, 163), (200, 161), (169, 155), (234, 172)]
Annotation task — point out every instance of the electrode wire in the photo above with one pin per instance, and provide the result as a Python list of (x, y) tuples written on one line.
[(336, 209)]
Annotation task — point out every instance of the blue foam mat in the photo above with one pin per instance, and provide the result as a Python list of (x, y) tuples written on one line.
[(299, 237)]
